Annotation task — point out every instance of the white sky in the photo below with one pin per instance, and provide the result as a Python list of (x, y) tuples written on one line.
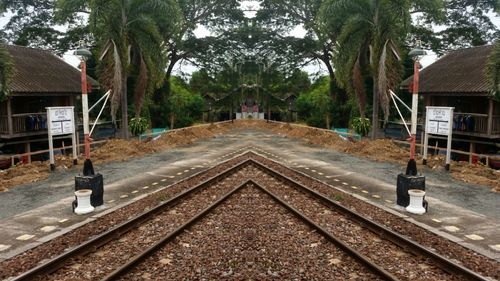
[(201, 32)]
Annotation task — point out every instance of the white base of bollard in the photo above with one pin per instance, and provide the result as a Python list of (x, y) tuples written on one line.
[(83, 199), (416, 202)]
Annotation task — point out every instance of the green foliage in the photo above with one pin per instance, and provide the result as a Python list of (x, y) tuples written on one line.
[(493, 70), (6, 71), (361, 125), (315, 106), (33, 24), (465, 23), (184, 107), (138, 125), (370, 35)]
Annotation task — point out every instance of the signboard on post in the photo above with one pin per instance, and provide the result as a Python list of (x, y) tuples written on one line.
[(60, 121), (439, 121)]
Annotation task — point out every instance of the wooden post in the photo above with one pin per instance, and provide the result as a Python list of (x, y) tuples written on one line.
[(74, 142), (27, 147), (9, 117), (472, 149), (51, 144), (490, 116)]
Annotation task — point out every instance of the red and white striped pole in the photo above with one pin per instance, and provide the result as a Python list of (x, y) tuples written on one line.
[(88, 169), (416, 53), (85, 108), (414, 109)]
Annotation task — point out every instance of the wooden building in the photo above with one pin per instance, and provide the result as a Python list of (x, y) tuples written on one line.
[(459, 80), (41, 79)]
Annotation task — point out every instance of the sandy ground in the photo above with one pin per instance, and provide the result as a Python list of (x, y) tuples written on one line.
[(382, 150)]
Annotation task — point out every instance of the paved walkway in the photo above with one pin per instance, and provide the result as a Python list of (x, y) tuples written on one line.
[(34, 213)]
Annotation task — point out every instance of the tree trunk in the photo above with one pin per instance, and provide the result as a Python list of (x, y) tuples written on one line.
[(125, 110), (327, 121), (172, 120), (375, 110)]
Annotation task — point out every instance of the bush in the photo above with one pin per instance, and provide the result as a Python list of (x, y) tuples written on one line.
[(361, 125), (138, 125), (184, 121), (316, 121)]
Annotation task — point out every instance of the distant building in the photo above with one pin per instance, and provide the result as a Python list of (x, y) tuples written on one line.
[(41, 79)]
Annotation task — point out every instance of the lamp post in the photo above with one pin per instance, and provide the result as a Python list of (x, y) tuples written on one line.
[(416, 54), (88, 180), (84, 54)]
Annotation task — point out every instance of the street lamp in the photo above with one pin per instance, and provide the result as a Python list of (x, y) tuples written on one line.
[(416, 54), (88, 180), (84, 54)]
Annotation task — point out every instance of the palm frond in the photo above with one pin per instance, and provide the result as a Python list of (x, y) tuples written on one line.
[(140, 88), (381, 78), (117, 82), (359, 87)]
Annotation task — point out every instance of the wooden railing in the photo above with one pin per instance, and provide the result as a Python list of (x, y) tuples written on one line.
[(4, 124), (495, 127), (21, 124), (470, 123)]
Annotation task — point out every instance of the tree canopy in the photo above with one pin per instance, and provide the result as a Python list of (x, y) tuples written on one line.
[(250, 50)]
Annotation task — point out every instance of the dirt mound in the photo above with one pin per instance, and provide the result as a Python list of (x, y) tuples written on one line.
[(383, 150), (25, 173), (112, 150), (378, 150)]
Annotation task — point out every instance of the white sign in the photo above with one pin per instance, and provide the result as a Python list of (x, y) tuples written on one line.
[(61, 121), (439, 120)]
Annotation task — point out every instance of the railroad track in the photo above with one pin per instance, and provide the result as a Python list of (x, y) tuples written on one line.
[(362, 221), (115, 233), (304, 202)]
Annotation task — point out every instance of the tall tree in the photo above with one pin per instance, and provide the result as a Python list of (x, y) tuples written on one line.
[(465, 23), (129, 36), (33, 24), (371, 35), (284, 15), (181, 44)]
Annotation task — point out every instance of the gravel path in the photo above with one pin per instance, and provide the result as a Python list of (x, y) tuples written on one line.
[(109, 257), (386, 254), (230, 244), (250, 237), (53, 248), (478, 263)]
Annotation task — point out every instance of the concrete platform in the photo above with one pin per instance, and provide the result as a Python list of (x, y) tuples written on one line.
[(34, 213)]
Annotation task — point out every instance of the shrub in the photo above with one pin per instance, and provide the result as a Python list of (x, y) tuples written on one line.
[(361, 125), (138, 125)]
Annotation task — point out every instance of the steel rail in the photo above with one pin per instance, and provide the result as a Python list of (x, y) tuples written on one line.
[(357, 255), (117, 231), (149, 251), (384, 232)]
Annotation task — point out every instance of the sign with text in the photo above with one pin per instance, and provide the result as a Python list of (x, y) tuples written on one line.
[(439, 120), (61, 120)]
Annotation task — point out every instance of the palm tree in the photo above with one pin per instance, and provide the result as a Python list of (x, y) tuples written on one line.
[(6, 70), (370, 37), (129, 33), (129, 36)]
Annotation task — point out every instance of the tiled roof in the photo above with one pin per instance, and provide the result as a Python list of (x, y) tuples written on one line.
[(41, 72), (461, 72)]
